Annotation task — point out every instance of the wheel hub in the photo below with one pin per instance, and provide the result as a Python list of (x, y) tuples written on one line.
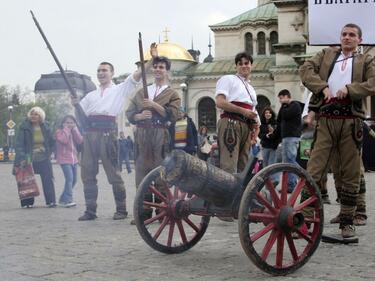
[(289, 219)]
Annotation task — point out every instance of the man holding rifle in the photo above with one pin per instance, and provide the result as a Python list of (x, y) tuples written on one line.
[(100, 139), (151, 112)]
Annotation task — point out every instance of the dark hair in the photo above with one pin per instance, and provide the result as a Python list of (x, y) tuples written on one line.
[(353, 25), (110, 65), (66, 117), (263, 118), (284, 92), (201, 129), (241, 56), (164, 60)]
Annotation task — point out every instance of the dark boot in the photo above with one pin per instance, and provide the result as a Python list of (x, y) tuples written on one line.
[(87, 216)]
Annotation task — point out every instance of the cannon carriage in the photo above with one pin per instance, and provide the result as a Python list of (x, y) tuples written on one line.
[(175, 201)]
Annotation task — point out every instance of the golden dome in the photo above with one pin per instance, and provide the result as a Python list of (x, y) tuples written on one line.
[(171, 51)]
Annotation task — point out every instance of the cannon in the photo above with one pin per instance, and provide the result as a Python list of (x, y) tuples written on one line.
[(175, 201)]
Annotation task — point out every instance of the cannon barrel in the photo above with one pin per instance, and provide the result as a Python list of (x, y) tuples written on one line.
[(196, 176)]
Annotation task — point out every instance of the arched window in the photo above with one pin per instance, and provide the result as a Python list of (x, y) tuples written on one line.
[(207, 114), (249, 43), (274, 39), (261, 43), (263, 101)]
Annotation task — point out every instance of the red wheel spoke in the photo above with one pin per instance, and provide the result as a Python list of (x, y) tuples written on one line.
[(280, 249), (157, 217), (182, 231), (267, 248), (266, 203), (257, 217), (292, 247), (170, 233), (297, 190), (312, 220), (162, 226), (306, 203), (274, 196), (262, 232), (156, 205), (304, 236), (192, 225), (284, 188), (158, 194)]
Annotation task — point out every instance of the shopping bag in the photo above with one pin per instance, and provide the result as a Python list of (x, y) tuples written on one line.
[(26, 183), (305, 148)]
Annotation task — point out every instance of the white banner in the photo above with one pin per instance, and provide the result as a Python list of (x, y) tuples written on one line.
[(327, 17)]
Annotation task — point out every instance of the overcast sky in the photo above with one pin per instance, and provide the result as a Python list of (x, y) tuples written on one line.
[(85, 32)]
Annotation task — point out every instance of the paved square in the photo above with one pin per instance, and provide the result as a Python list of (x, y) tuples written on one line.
[(41, 244)]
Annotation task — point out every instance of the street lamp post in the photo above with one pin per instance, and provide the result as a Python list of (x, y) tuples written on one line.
[(10, 117), (184, 88)]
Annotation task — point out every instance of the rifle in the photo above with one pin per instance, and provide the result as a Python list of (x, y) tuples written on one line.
[(142, 60), (81, 116)]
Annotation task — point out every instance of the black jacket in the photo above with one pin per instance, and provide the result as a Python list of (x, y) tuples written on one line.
[(289, 122), (270, 142)]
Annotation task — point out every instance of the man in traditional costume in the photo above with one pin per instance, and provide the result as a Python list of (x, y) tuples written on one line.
[(340, 80), (237, 98), (101, 106), (151, 116)]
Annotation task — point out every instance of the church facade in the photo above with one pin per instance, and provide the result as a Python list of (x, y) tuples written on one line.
[(275, 33)]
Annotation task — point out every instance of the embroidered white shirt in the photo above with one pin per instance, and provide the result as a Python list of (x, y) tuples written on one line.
[(236, 88), (154, 90), (111, 101), (341, 74)]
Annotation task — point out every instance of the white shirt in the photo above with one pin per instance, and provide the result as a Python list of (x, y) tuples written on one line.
[(154, 90), (111, 101), (236, 88), (305, 111), (341, 74)]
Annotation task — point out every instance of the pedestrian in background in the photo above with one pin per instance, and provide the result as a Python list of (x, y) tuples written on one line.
[(124, 152), (68, 138), (269, 144), (204, 143), (34, 145)]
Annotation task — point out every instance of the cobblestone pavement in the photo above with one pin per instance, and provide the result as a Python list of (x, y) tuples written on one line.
[(41, 244)]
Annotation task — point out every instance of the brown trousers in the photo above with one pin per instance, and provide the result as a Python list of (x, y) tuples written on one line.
[(233, 161), (336, 136), (97, 145), (151, 147)]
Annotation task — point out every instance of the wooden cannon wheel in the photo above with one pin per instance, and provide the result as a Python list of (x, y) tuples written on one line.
[(161, 219), (270, 219)]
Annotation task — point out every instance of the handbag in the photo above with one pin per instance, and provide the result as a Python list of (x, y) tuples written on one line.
[(26, 182), (206, 147)]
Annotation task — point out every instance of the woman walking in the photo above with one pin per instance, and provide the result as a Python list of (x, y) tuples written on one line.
[(34, 145), (68, 138)]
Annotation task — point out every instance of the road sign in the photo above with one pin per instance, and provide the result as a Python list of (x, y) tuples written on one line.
[(11, 132), (11, 124)]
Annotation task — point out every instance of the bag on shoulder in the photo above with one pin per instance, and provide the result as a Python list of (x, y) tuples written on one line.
[(26, 183)]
